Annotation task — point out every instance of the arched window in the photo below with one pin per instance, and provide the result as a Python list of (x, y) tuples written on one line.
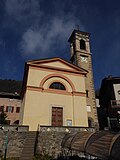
[(82, 44), (57, 85)]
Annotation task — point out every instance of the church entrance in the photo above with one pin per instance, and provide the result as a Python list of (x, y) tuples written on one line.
[(57, 116)]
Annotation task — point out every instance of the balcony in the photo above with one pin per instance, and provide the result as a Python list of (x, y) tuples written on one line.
[(115, 104)]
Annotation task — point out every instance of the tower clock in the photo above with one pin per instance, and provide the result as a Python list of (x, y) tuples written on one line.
[(81, 56)]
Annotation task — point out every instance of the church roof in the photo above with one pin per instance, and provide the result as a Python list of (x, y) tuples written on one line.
[(77, 31), (55, 64), (41, 62)]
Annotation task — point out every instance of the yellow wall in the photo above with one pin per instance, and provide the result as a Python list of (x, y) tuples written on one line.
[(38, 108), (36, 75), (38, 103)]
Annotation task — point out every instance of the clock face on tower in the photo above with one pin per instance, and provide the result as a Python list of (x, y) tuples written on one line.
[(84, 59)]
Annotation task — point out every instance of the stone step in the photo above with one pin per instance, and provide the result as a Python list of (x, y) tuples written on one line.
[(28, 149), (30, 141), (27, 158), (25, 155)]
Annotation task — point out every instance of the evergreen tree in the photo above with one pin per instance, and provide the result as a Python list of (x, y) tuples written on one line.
[(3, 117)]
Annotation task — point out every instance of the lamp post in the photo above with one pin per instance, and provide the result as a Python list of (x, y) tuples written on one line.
[(6, 139), (6, 142), (6, 145)]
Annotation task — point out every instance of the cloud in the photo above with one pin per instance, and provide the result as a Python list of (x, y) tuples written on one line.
[(22, 11), (42, 32), (51, 35)]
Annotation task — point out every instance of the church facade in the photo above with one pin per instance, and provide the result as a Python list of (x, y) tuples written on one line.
[(60, 93), (54, 94)]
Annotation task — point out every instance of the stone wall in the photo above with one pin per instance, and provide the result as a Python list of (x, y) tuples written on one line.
[(19, 128), (48, 141), (13, 137), (15, 143)]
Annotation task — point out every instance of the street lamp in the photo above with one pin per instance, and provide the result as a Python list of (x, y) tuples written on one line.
[(6, 142), (6, 139), (6, 145)]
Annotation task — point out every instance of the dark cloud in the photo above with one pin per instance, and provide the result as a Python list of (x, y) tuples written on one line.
[(44, 39), (21, 14), (40, 32), (39, 29)]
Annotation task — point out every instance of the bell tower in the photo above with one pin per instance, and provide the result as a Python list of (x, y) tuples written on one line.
[(81, 56)]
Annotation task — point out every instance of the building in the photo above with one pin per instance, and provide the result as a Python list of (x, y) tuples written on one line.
[(82, 57), (109, 100), (10, 100), (54, 94)]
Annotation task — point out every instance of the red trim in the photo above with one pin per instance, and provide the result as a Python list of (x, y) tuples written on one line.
[(39, 62), (57, 75), (68, 71), (55, 91)]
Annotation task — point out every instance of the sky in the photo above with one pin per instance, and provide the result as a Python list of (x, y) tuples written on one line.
[(37, 29)]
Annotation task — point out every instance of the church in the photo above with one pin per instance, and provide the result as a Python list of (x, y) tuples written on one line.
[(60, 93)]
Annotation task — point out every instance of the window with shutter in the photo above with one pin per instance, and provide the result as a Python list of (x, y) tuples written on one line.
[(9, 109), (17, 109)]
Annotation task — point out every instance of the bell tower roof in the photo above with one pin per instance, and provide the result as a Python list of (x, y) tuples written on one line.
[(79, 32)]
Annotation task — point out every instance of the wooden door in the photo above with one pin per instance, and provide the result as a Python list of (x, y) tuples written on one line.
[(57, 116)]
